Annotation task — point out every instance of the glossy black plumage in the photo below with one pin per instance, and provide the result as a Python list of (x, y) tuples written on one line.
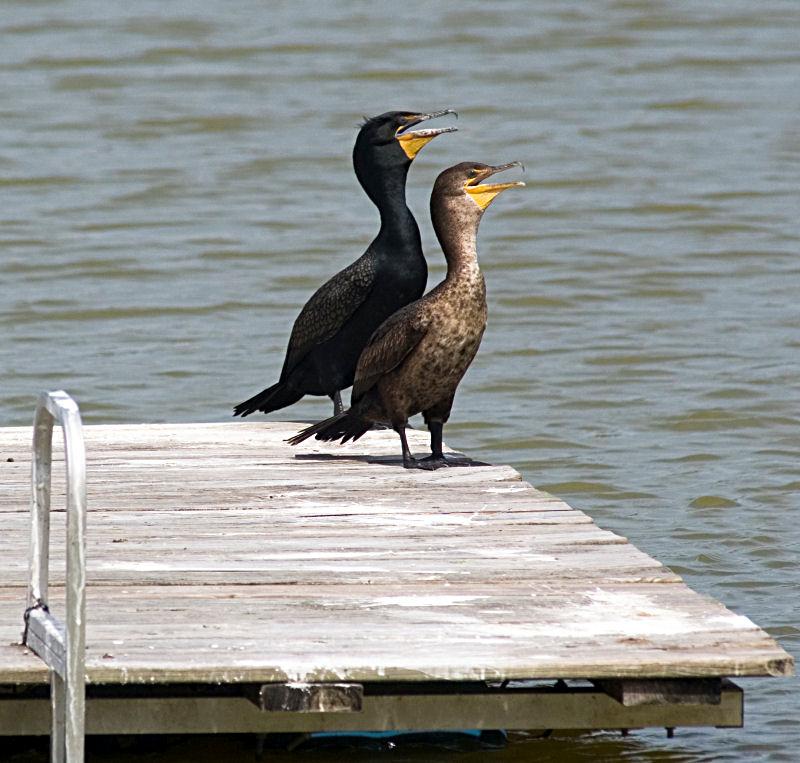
[(338, 320)]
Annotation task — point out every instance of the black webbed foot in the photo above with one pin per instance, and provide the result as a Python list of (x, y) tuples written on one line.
[(431, 463), (460, 461), (421, 463)]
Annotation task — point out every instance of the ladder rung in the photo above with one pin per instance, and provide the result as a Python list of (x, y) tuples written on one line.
[(46, 637)]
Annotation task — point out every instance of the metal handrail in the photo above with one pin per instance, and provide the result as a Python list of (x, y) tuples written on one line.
[(60, 646)]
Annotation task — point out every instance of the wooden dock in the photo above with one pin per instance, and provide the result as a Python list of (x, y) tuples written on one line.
[(226, 569)]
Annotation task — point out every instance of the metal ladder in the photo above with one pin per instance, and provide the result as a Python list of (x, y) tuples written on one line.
[(62, 647)]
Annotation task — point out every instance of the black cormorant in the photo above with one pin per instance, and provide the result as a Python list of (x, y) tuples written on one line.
[(415, 360), (340, 317)]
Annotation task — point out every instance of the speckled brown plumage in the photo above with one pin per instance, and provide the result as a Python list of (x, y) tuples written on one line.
[(416, 359)]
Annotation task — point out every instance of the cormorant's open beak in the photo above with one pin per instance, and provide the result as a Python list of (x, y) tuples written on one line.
[(483, 193), (412, 141)]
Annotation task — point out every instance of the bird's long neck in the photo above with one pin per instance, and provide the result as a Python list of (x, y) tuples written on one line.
[(396, 217), (386, 188), (458, 236)]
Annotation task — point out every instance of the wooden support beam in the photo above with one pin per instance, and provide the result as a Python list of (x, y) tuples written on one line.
[(541, 708), (634, 692)]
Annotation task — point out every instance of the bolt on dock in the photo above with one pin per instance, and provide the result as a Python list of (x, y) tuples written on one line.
[(236, 584)]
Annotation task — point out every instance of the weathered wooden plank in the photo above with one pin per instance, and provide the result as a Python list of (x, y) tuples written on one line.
[(250, 559), (357, 530), (351, 501)]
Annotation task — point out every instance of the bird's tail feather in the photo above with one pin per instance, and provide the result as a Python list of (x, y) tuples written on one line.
[(277, 396), (344, 426)]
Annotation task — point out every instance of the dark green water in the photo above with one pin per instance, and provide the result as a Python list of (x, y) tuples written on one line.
[(175, 181)]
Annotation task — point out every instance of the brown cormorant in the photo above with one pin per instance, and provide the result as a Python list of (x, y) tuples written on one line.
[(340, 317), (415, 360)]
